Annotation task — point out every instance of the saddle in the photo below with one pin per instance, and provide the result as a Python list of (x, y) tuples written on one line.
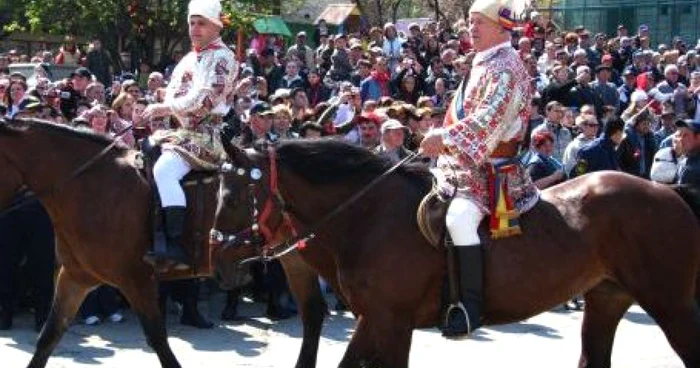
[(431, 215), (200, 190)]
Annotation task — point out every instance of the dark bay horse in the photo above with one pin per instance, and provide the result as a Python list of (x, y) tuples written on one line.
[(616, 238), (103, 226)]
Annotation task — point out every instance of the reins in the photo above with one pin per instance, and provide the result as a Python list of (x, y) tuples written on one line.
[(281, 249)]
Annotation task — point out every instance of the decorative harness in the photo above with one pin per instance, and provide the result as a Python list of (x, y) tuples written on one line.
[(252, 234), (258, 233)]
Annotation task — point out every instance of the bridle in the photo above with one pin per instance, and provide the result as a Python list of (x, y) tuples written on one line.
[(258, 233)]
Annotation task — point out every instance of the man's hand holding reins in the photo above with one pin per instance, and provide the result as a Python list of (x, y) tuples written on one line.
[(155, 111), (432, 144)]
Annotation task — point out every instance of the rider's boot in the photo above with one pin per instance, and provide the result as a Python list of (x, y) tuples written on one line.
[(461, 322), (174, 223)]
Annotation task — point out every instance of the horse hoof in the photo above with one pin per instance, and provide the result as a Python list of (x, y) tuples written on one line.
[(279, 314)]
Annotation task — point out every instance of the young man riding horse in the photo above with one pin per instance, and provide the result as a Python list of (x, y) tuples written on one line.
[(199, 95), (476, 148)]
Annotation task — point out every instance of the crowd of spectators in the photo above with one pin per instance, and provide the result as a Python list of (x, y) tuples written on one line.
[(602, 102)]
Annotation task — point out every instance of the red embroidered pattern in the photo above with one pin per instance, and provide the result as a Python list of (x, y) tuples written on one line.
[(495, 98)]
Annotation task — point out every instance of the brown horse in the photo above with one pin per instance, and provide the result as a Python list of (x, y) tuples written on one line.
[(103, 224), (616, 238)]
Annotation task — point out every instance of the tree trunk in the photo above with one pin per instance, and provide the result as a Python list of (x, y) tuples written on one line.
[(380, 11), (395, 10)]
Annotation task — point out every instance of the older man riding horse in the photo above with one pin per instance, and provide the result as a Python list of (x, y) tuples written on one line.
[(480, 172), (578, 238)]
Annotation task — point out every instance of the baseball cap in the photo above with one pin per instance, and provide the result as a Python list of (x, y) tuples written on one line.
[(607, 57), (391, 124), (260, 108), (247, 71), (281, 93), (643, 28), (693, 125), (371, 118), (81, 72)]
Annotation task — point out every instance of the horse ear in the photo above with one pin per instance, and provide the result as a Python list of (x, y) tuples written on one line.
[(234, 153)]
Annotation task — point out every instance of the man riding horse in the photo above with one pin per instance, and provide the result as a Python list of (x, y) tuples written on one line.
[(477, 147), (200, 93)]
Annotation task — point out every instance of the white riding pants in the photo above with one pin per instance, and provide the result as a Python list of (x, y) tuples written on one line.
[(167, 172), (463, 219)]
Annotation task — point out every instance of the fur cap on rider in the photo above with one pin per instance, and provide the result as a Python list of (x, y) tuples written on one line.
[(209, 9), (503, 12)]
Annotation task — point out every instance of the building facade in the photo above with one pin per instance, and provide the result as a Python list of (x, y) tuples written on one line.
[(665, 18)]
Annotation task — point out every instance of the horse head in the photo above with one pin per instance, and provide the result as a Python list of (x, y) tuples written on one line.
[(244, 210), (11, 179)]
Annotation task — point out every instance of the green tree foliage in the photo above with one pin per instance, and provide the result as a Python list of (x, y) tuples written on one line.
[(141, 27)]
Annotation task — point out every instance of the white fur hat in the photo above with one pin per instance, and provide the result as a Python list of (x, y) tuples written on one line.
[(504, 12), (210, 9)]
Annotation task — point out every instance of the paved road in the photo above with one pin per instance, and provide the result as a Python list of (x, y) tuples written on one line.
[(548, 340)]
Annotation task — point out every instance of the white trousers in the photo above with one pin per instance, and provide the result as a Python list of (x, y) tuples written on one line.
[(167, 172), (463, 219)]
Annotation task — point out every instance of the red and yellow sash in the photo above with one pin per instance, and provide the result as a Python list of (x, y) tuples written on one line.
[(504, 217)]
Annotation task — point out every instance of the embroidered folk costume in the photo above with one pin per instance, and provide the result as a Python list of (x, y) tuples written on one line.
[(200, 93), (477, 167)]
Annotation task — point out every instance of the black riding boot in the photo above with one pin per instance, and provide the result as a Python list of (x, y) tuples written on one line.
[(470, 265), (174, 223)]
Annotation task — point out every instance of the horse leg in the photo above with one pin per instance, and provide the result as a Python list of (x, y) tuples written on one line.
[(142, 295), (697, 291), (303, 284), (360, 350), (605, 306), (71, 290), (680, 321), (379, 344)]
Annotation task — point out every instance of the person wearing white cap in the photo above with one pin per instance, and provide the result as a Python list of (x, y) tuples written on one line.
[(303, 50), (482, 131), (393, 137), (198, 95)]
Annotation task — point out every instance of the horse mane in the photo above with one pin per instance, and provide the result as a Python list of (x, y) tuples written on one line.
[(331, 161), (17, 126)]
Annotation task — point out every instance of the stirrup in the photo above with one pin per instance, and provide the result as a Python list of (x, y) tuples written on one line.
[(460, 307)]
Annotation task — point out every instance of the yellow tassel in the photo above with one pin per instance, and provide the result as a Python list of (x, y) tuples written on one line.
[(508, 215), (506, 233)]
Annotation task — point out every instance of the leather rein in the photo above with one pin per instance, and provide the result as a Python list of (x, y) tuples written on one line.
[(258, 233)]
